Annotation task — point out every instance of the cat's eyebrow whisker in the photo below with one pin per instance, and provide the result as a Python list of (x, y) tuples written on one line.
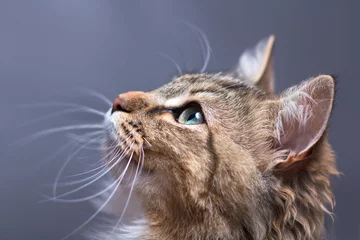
[(173, 61), (55, 130), (206, 50), (141, 157), (99, 210), (95, 179)]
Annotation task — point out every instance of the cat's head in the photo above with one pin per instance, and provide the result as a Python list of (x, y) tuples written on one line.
[(225, 148)]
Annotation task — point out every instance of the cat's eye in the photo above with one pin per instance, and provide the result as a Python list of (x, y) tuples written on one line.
[(192, 115)]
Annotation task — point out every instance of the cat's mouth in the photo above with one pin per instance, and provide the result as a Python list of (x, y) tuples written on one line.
[(124, 138)]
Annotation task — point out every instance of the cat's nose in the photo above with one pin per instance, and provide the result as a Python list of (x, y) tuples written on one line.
[(130, 102), (119, 105)]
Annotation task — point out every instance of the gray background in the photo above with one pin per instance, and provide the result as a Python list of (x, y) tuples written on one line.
[(48, 48)]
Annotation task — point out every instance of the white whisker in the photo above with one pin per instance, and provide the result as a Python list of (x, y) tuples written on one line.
[(64, 112), (173, 61), (64, 166), (87, 172), (96, 174), (95, 94), (99, 144), (74, 107), (142, 160), (54, 155), (85, 137), (206, 50), (55, 130), (130, 193), (96, 194), (95, 179), (147, 142), (99, 210), (48, 104), (113, 149)]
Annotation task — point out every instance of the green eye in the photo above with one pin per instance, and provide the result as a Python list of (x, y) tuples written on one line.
[(191, 115)]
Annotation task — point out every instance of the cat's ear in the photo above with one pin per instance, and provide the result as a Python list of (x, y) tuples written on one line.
[(256, 65), (303, 117)]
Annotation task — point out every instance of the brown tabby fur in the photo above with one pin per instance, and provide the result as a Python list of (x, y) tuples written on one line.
[(221, 180)]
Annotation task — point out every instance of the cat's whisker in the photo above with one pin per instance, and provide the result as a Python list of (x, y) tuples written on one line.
[(86, 136), (94, 195), (96, 174), (142, 160), (48, 104), (206, 50), (72, 106), (97, 145), (84, 199), (54, 155), (99, 210), (46, 132), (96, 94), (86, 172), (148, 144), (64, 166), (74, 182), (95, 179), (173, 61), (140, 163), (113, 149), (56, 114)]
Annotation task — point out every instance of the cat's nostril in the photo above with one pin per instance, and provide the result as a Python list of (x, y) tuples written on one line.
[(119, 105)]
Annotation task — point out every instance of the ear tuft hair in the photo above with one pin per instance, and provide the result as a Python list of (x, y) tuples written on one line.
[(304, 114), (256, 65)]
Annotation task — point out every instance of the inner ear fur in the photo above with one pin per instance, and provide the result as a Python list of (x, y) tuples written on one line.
[(303, 117), (256, 65)]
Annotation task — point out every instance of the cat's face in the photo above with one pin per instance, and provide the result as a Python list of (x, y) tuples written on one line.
[(221, 143), (200, 127)]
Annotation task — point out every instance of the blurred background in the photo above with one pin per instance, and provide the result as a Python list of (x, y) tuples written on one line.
[(49, 49)]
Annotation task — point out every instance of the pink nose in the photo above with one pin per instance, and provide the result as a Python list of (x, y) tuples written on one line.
[(119, 105), (130, 102)]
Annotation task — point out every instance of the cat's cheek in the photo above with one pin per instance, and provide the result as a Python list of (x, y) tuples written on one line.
[(168, 117)]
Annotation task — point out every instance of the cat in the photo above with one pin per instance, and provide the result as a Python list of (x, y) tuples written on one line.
[(221, 156)]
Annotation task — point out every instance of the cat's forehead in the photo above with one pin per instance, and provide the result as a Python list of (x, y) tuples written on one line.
[(191, 84)]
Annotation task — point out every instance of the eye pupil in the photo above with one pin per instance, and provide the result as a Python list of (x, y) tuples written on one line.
[(191, 115)]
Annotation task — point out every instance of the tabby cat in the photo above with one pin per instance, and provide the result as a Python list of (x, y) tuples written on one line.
[(221, 156)]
